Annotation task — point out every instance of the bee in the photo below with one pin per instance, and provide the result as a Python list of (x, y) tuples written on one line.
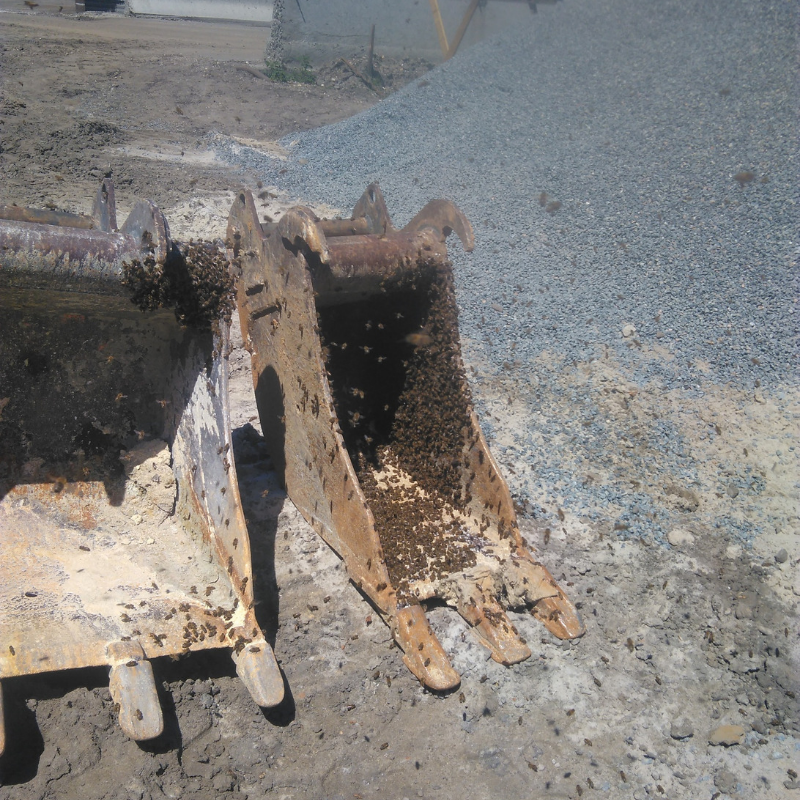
[(629, 644), (163, 403), (139, 714), (384, 746), (12, 650)]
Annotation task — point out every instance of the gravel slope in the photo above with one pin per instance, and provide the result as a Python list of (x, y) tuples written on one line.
[(663, 139)]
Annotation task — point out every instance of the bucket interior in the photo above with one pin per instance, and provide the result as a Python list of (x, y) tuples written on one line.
[(103, 537), (402, 400)]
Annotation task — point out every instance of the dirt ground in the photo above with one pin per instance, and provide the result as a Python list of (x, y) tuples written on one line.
[(680, 640)]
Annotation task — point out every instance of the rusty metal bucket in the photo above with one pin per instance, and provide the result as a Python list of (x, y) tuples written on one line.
[(121, 525), (353, 332)]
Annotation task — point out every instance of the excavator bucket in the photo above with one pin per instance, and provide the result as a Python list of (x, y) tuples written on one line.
[(353, 331), (121, 525)]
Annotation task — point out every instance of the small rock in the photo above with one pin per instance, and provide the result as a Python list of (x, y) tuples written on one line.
[(727, 735), (782, 556), (136, 519), (679, 537), (725, 781), (681, 729), (681, 498), (224, 782), (732, 490), (791, 784), (497, 307), (628, 331)]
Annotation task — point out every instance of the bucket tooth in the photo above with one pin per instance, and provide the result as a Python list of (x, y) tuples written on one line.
[(559, 616), (133, 689), (352, 327), (495, 630), (423, 653), (259, 672)]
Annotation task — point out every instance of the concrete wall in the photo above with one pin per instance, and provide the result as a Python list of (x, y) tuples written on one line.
[(254, 11), (324, 29)]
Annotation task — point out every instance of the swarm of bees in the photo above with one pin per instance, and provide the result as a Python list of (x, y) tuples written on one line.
[(400, 391)]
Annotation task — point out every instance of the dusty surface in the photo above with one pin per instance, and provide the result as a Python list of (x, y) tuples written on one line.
[(682, 639)]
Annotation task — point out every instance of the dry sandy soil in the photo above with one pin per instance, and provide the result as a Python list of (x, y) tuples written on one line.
[(680, 640)]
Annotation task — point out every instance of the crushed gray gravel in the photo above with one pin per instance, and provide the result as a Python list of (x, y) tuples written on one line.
[(630, 173)]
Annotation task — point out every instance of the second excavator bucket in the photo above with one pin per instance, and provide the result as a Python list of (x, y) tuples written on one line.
[(352, 326), (121, 526)]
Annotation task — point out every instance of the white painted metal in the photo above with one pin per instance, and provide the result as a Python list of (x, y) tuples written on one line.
[(253, 11)]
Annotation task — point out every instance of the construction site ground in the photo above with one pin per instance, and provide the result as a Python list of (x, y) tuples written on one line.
[(684, 684)]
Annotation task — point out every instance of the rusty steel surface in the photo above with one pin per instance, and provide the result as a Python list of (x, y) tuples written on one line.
[(65, 256), (122, 531), (45, 217), (302, 275)]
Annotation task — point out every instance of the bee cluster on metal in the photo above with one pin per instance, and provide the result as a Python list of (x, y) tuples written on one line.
[(401, 395)]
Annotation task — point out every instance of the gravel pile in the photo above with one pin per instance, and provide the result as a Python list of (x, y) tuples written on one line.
[(629, 171)]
